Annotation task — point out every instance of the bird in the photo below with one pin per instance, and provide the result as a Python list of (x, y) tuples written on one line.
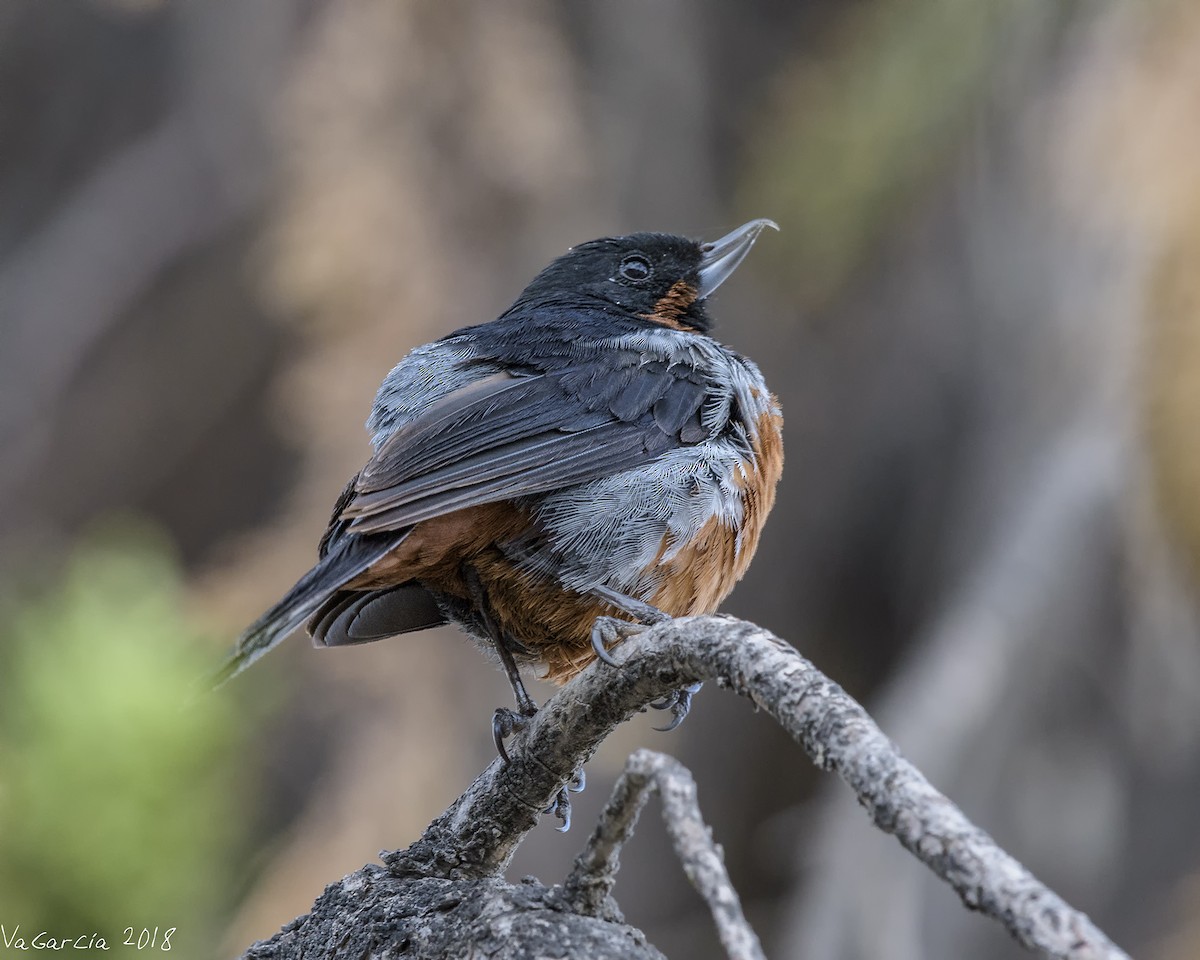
[(590, 462)]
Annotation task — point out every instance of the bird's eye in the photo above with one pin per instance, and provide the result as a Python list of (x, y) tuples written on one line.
[(635, 268)]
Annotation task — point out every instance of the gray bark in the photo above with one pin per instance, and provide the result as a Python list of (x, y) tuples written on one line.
[(591, 880), (444, 894)]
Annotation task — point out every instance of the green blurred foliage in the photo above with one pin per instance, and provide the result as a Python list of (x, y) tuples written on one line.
[(118, 805), (851, 139)]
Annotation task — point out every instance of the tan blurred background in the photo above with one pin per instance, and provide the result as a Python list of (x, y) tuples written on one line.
[(222, 223)]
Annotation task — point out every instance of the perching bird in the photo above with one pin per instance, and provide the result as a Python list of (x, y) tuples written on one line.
[(591, 453)]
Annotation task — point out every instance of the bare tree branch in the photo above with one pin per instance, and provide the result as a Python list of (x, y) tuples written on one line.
[(972, 664), (475, 838), (587, 887)]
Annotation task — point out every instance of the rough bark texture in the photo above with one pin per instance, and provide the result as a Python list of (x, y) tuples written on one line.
[(372, 913), (588, 886), (464, 851)]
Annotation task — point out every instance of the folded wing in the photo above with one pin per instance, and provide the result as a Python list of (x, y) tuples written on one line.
[(512, 435)]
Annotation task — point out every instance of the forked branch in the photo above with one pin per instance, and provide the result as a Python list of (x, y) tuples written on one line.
[(475, 838), (587, 887)]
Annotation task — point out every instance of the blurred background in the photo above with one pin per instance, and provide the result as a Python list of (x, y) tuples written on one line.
[(222, 223)]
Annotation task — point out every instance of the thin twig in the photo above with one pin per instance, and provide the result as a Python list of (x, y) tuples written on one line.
[(587, 887)]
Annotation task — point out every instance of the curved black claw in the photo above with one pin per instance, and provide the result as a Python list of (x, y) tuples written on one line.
[(561, 807), (578, 781), (607, 631), (679, 703), (505, 723)]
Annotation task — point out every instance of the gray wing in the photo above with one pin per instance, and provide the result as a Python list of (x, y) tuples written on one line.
[(512, 435)]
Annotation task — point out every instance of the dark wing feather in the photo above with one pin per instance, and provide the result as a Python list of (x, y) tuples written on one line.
[(343, 558), (539, 465), (642, 392), (337, 525), (480, 417), (515, 436), (679, 405), (351, 616)]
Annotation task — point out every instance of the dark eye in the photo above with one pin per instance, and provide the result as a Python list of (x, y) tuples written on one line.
[(635, 268)]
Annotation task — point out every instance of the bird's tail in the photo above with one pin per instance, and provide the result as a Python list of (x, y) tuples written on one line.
[(303, 600)]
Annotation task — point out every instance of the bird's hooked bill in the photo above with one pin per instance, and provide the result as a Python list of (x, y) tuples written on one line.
[(721, 257)]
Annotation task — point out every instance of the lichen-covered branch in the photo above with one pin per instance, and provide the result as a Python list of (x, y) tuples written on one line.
[(591, 880), (475, 839)]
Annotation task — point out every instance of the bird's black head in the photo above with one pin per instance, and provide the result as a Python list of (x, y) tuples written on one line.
[(658, 277)]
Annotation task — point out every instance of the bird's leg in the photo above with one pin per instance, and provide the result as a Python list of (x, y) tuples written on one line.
[(644, 613), (525, 705), (505, 722), (607, 631)]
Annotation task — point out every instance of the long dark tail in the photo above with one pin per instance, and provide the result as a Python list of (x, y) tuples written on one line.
[(342, 563)]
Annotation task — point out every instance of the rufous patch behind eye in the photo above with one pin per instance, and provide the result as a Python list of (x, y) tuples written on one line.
[(672, 306)]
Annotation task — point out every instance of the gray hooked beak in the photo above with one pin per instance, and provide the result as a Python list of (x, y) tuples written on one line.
[(721, 257)]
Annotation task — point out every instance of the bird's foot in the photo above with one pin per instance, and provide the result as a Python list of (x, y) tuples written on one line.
[(609, 631), (561, 807), (679, 703), (506, 723)]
